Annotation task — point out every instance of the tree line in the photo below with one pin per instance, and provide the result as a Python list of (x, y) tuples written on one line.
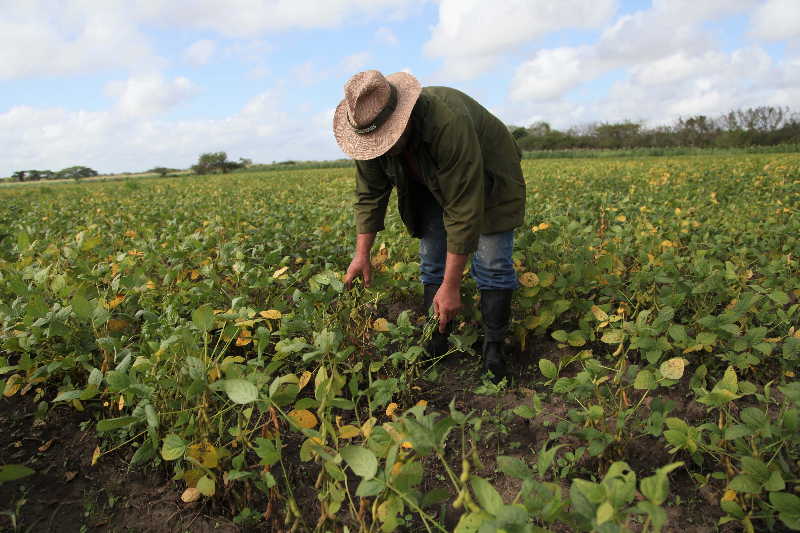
[(758, 126), (74, 173)]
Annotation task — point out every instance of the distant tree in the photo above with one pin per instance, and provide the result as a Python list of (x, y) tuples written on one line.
[(245, 162), (620, 135), (76, 173), (161, 171), (214, 162), (539, 129), (518, 132)]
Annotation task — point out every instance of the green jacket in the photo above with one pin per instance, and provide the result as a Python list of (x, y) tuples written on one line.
[(468, 160)]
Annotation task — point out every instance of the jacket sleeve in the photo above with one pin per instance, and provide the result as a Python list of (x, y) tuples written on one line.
[(373, 189), (460, 177)]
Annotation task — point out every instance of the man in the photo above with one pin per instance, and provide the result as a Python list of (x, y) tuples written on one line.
[(460, 190)]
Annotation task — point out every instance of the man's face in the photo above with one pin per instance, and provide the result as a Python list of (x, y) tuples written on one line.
[(401, 143)]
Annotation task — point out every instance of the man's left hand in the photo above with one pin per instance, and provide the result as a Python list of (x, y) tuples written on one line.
[(446, 305)]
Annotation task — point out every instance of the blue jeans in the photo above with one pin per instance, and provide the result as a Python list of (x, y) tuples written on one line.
[(492, 266)]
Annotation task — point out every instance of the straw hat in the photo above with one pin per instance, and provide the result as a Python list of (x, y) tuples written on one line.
[(374, 112)]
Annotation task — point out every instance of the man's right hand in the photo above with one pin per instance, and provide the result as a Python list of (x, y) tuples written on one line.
[(360, 266)]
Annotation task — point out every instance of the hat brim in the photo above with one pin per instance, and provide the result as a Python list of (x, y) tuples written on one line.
[(378, 142)]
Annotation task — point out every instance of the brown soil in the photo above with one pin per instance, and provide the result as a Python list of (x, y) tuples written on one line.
[(68, 494)]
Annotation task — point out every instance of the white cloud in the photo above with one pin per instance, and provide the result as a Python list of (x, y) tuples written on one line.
[(666, 42), (113, 141), (386, 36), (356, 62), (775, 20), (149, 94), (550, 74), (200, 52), (471, 34), (48, 39), (242, 18)]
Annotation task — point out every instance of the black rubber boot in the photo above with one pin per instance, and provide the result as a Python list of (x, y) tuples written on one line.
[(438, 344), (496, 312)]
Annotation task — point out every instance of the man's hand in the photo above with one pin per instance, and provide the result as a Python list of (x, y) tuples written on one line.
[(359, 266), (446, 304)]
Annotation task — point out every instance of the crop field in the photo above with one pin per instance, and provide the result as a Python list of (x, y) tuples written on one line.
[(199, 328)]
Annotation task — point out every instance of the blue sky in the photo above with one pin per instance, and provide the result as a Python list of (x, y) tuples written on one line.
[(126, 86)]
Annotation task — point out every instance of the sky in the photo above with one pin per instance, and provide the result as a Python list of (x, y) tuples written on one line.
[(125, 86)]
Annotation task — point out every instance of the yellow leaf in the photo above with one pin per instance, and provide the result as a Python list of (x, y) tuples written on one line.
[(380, 258), (190, 495), (529, 279), (245, 337), (278, 273), (116, 301), (96, 455), (599, 314), (729, 496), (423, 403), (130, 233), (673, 368), (204, 453), (543, 226), (272, 314), (214, 374), (194, 274), (789, 374), (150, 284), (116, 325), (666, 244), (366, 427), (121, 402), (13, 383), (391, 408), (620, 218), (305, 377), (407, 445), (348, 432), (380, 324), (303, 418)]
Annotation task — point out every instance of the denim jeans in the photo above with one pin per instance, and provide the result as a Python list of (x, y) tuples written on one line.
[(492, 266)]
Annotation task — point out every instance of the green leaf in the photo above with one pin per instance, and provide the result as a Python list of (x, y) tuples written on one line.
[(81, 307), (705, 338), (785, 503), (203, 318), (613, 336), (560, 335), (576, 338), (545, 458), (775, 482), (14, 472), (68, 395), (173, 447), (241, 391), (206, 486), (487, 496), (605, 512), (267, 451), (645, 380), (524, 411), (745, 483), (779, 297), (469, 523), (361, 460), (548, 368), (514, 467), (111, 424)]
